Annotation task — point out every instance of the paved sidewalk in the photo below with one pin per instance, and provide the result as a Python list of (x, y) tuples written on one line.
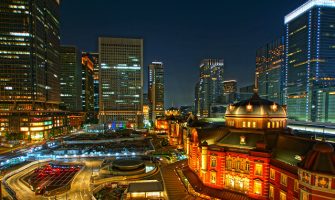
[(174, 187)]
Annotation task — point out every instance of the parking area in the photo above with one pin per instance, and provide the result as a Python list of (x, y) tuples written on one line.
[(51, 177)]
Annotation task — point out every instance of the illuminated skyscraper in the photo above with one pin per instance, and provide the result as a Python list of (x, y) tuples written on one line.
[(70, 78), (269, 66), (29, 68), (210, 85), (230, 90), (87, 93), (156, 89), (310, 62), (121, 81), (94, 57)]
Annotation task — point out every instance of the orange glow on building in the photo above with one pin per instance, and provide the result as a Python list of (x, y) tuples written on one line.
[(256, 156), (85, 60)]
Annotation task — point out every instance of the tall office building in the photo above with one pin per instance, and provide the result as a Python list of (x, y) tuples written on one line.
[(121, 81), (310, 62), (70, 78), (87, 93), (269, 66), (156, 90), (94, 57), (229, 90), (210, 84), (29, 69)]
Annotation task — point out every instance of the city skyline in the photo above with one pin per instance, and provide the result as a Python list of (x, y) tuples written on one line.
[(215, 34)]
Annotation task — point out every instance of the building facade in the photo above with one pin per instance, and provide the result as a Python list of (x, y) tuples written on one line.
[(94, 57), (29, 69), (269, 67), (309, 60), (121, 81), (210, 85), (156, 90), (70, 78), (87, 86), (257, 157), (229, 91)]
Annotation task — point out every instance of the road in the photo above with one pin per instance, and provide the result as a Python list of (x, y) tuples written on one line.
[(80, 186)]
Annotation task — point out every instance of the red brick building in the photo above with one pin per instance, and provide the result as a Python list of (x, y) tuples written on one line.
[(257, 156)]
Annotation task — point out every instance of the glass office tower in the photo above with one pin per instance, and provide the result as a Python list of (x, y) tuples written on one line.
[(269, 66), (310, 62), (70, 78), (156, 90), (94, 57), (211, 86), (29, 69), (121, 81)]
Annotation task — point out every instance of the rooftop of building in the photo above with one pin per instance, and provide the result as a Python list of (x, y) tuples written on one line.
[(306, 6), (256, 107), (154, 186)]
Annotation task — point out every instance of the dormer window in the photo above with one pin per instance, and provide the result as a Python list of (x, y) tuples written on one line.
[(274, 107), (249, 107), (242, 139)]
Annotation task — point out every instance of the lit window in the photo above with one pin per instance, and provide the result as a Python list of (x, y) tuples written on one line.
[(322, 182), (269, 124), (283, 179), (228, 164), (249, 124), (282, 195), (213, 161), (258, 169), (277, 124), (272, 174), (243, 124), (271, 193), (258, 187), (247, 166), (213, 177), (253, 124)]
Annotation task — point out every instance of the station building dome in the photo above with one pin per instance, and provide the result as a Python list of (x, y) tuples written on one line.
[(256, 113)]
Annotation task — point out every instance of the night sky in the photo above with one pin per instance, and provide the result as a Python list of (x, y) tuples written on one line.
[(181, 33)]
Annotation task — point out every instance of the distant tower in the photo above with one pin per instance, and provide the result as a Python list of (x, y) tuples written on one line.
[(269, 66), (210, 84), (156, 89)]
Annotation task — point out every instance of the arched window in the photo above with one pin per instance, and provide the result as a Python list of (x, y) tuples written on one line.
[(258, 186), (213, 161), (269, 124)]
